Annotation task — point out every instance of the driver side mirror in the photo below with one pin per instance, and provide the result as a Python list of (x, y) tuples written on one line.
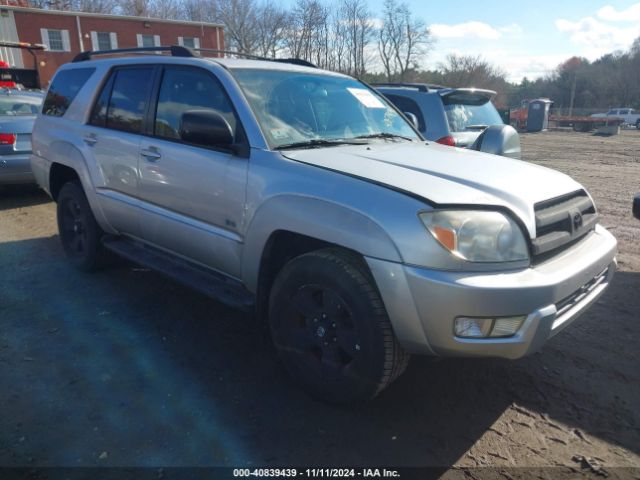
[(413, 119), (206, 128)]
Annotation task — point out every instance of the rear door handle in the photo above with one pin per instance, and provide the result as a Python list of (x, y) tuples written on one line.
[(90, 139), (152, 154)]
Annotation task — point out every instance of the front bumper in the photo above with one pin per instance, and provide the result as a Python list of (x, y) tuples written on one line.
[(15, 169), (423, 304)]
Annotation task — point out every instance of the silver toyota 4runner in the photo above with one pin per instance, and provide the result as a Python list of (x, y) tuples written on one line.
[(303, 195)]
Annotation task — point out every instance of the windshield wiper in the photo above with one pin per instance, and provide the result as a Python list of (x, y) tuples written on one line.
[(317, 142), (385, 135), (476, 127)]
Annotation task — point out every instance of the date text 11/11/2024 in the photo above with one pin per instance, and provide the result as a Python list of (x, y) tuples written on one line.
[(316, 472)]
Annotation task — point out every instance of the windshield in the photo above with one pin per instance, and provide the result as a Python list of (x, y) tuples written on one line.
[(19, 105), (465, 112), (296, 107)]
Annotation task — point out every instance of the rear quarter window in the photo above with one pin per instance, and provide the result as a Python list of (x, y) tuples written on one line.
[(64, 88)]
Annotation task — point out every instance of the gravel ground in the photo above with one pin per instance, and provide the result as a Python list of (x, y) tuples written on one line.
[(126, 368)]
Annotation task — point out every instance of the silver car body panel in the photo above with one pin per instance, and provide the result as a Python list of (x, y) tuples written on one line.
[(448, 176), (221, 210), (15, 166)]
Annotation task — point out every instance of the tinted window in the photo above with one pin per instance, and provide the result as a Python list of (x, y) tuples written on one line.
[(405, 104), (466, 111), (128, 102), (99, 112), (188, 89), (63, 90)]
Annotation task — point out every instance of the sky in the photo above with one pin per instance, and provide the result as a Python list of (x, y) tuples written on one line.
[(526, 38)]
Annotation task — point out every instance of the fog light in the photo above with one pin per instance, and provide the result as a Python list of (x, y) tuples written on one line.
[(468, 327), (506, 326), (473, 327)]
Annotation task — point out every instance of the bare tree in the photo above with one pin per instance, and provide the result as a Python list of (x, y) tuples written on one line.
[(272, 24), (307, 35), (199, 10), (240, 19), (357, 32), (135, 8), (94, 6), (402, 39)]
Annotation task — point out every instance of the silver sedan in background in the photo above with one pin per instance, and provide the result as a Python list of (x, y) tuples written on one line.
[(18, 111)]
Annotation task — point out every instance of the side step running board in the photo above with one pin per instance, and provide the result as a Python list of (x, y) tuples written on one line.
[(211, 283)]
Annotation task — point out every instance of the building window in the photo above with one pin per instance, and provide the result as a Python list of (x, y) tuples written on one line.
[(104, 41), (148, 40), (189, 42), (56, 40)]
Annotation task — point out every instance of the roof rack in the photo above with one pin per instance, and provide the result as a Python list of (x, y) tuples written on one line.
[(421, 87), (294, 61), (180, 51), (175, 50)]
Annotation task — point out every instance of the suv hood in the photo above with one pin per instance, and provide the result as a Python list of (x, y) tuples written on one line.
[(446, 175)]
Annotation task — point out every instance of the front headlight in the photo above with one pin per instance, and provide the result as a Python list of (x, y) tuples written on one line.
[(476, 235)]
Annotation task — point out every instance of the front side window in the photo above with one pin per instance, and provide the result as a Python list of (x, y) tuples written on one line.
[(63, 89), (127, 92), (296, 107), (184, 89)]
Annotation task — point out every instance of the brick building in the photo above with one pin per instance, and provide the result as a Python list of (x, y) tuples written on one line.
[(67, 33)]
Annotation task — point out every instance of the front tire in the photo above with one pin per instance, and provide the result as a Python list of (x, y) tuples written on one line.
[(79, 232), (330, 328)]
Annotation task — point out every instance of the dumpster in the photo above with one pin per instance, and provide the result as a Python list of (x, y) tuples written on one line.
[(538, 115)]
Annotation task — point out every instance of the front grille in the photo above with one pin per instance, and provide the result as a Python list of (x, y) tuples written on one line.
[(563, 220)]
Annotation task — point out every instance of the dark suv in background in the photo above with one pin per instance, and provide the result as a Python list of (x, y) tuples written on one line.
[(457, 117)]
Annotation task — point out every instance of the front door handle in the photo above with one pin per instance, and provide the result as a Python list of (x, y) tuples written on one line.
[(90, 139), (152, 154)]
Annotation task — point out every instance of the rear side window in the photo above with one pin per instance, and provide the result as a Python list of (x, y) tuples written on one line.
[(63, 90), (405, 104), (122, 103)]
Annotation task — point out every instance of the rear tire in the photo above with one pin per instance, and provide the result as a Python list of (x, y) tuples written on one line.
[(638, 125), (79, 232), (330, 328)]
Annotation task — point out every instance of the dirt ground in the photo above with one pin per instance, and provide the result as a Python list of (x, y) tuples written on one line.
[(126, 368)]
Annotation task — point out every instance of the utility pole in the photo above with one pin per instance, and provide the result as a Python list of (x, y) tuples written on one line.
[(573, 93)]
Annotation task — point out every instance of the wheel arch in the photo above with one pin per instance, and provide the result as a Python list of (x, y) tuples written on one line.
[(68, 163), (287, 226)]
